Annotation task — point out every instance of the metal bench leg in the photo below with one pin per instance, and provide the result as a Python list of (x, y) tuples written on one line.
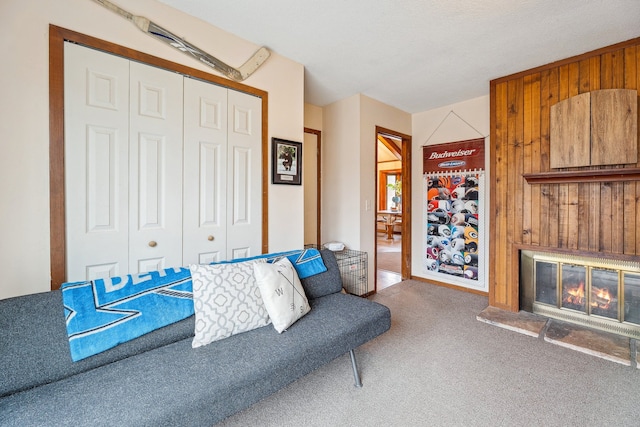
[(356, 374)]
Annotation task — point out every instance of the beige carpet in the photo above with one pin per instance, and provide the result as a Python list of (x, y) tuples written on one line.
[(439, 366), (389, 261)]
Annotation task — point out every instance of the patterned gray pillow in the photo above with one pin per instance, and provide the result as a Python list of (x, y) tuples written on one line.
[(226, 300)]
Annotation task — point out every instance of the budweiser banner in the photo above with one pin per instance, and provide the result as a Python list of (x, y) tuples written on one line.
[(453, 157)]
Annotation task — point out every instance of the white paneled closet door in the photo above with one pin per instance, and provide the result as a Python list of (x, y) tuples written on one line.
[(161, 170), (155, 161), (96, 163), (123, 165), (244, 190), (205, 172), (223, 173)]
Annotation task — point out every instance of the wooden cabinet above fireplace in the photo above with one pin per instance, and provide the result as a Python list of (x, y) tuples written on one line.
[(594, 129)]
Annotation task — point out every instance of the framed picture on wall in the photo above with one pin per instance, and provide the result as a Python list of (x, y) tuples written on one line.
[(286, 161)]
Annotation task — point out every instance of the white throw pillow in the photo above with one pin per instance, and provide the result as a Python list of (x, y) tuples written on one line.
[(226, 301), (281, 292)]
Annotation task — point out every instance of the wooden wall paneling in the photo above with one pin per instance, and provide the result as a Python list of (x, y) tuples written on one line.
[(573, 197), (613, 68), (574, 79), (515, 160), (585, 82), (606, 219), (511, 202), (630, 76), (606, 226), (606, 71), (573, 192), (554, 205), (589, 217), (563, 190), (562, 204), (594, 188), (617, 70), (631, 208), (493, 179), (617, 217), (584, 190), (631, 199), (594, 217), (584, 212), (498, 266), (527, 142), (544, 157), (535, 155)]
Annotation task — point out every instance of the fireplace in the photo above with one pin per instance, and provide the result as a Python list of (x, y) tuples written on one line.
[(591, 291)]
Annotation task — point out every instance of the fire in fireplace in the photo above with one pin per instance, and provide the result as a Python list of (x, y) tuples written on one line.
[(595, 292)]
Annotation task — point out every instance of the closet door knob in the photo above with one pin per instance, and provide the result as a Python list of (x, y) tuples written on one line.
[(153, 244), (210, 238)]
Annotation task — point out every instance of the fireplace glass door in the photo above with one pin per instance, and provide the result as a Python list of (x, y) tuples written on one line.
[(546, 279), (632, 298), (604, 293), (597, 292), (573, 282)]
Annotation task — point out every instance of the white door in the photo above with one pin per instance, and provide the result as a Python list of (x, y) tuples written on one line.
[(223, 174), (96, 91), (310, 182), (244, 171), (155, 159), (161, 170), (205, 172)]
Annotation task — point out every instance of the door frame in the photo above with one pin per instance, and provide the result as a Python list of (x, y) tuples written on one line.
[(318, 135), (57, 37), (405, 248)]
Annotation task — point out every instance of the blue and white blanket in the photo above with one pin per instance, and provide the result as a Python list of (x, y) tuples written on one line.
[(307, 262), (103, 313)]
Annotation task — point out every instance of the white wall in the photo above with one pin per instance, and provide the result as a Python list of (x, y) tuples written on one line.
[(341, 172), (24, 123), (349, 175), (437, 126), (313, 117), (374, 113)]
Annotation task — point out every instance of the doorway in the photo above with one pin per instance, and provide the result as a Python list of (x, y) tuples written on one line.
[(311, 170), (393, 208)]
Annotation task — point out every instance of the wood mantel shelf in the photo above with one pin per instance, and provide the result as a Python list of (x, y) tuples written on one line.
[(600, 175)]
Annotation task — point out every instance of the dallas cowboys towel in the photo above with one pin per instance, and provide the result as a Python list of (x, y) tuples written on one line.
[(103, 313), (307, 262)]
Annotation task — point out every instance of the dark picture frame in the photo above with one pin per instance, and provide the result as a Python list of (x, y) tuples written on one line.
[(286, 162)]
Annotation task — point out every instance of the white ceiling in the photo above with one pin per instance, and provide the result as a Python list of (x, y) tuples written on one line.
[(418, 54)]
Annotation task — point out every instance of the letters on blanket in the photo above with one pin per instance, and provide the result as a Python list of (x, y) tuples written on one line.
[(103, 313)]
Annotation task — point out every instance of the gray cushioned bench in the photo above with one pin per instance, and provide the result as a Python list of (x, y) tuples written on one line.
[(158, 379)]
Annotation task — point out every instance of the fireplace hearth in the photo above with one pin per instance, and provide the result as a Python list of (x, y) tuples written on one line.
[(591, 291)]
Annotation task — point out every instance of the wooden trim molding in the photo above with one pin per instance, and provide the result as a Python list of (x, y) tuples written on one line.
[(600, 175), (405, 269), (318, 135), (57, 37), (382, 187)]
